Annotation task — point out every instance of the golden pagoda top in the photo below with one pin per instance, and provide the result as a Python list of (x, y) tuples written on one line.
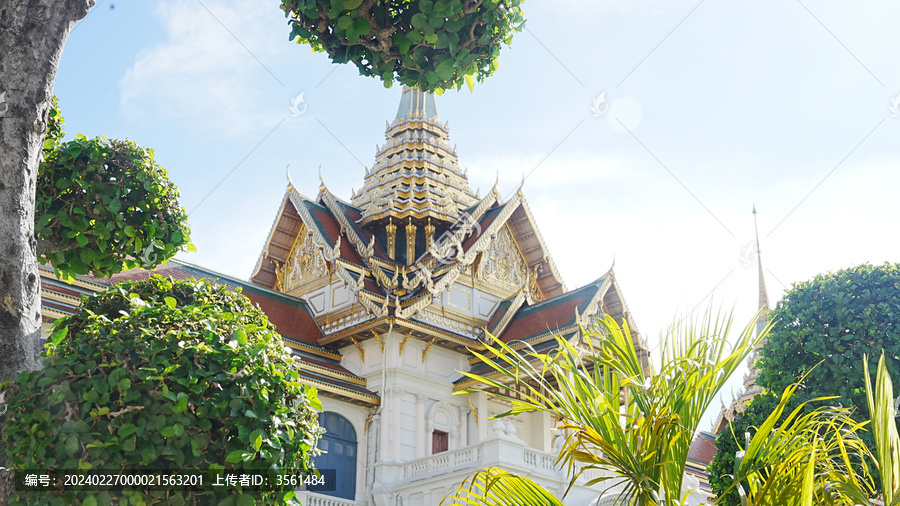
[(416, 173)]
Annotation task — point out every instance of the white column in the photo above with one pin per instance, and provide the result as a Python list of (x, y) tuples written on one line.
[(397, 428), (429, 428), (383, 451), (420, 425), (463, 427), (479, 399)]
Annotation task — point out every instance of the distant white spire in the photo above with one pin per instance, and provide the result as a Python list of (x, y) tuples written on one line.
[(763, 318)]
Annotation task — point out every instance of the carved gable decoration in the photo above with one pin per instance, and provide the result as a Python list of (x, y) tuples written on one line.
[(304, 262), (502, 261)]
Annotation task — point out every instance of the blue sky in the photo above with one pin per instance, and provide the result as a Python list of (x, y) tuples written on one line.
[(713, 107)]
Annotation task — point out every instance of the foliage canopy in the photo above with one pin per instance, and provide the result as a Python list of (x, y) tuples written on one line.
[(162, 374), (429, 44), (836, 319), (104, 206)]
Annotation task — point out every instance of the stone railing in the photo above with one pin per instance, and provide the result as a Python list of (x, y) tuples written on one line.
[(541, 461), (465, 457), (311, 499)]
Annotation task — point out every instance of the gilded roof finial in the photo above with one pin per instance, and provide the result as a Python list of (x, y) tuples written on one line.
[(289, 180)]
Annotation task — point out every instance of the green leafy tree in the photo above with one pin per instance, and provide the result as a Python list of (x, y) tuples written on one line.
[(162, 374), (429, 44), (34, 32), (830, 322), (819, 458), (104, 206)]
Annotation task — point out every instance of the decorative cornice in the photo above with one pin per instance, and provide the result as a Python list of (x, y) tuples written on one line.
[(412, 309), (312, 349), (345, 392), (331, 253), (332, 373)]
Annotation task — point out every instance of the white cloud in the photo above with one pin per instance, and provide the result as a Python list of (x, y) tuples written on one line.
[(557, 169), (206, 73)]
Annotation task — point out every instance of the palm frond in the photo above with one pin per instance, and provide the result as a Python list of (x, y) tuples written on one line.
[(496, 487)]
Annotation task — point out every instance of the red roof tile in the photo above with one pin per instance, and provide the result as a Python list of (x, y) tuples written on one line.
[(552, 314), (288, 314), (332, 230), (703, 448)]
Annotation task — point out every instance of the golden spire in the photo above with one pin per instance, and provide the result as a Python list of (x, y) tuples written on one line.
[(410, 242), (391, 230), (416, 172), (429, 235)]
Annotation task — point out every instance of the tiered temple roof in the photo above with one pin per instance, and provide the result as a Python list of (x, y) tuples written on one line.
[(414, 252), (416, 173)]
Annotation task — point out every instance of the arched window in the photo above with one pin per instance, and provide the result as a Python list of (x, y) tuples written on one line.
[(339, 453)]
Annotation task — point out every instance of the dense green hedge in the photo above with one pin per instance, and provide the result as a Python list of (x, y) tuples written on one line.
[(162, 374)]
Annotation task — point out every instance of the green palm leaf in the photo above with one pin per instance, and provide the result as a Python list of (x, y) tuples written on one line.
[(496, 487)]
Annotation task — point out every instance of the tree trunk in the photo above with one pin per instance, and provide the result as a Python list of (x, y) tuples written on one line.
[(32, 36)]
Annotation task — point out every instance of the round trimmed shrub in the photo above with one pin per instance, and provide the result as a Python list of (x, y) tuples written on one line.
[(104, 206), (163, 374)]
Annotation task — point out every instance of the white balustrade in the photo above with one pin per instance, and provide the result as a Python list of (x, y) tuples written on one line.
[(540, 460), (442, 461), (321, 500)]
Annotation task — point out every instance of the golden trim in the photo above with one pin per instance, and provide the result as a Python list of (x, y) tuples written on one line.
[(60, 297), (403, 343), (410, 242), (391, 231), (427, 348), (368, 420), (346, 392), (474, 409), (378, 339), (333, 374), (311, 349), (50, 312), (429, 235), (362, 353), (429, 329)]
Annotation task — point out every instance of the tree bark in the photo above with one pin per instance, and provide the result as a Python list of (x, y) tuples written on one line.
[(32, 36)]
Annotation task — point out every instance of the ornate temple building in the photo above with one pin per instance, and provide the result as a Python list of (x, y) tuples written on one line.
[(382, 299)]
